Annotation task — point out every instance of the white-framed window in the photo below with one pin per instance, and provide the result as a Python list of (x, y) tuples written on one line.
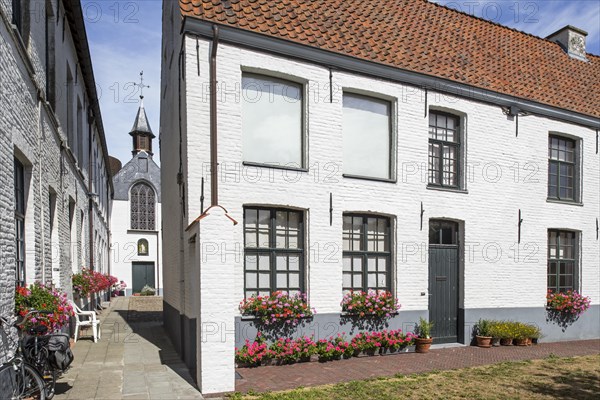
[(272, 121), (367, 137)]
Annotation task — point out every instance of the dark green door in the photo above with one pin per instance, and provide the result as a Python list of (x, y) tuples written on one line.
[(443, 280), (142, 275)]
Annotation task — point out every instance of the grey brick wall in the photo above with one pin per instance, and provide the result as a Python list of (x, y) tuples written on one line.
[(32, 132)]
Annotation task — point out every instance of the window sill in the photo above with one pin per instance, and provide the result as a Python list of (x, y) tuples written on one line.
[(141, 231), (353, 315), (568, 202), (273, 166), (369, 178), (447, 189)]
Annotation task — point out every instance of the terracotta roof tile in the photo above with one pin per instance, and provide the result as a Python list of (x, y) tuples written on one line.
[(423, 37)]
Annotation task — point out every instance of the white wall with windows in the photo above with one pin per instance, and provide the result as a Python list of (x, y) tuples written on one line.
[(381, 153)]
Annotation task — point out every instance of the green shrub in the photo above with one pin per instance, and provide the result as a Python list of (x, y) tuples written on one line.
[(483, 327), (424, 328), (147, 291)]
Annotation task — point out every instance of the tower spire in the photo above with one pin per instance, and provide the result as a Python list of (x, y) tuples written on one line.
[(141, 132)]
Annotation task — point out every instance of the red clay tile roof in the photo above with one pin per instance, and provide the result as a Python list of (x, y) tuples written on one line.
[(424, 37)]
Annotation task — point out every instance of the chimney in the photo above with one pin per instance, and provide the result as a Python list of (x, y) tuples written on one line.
[(572, 40)]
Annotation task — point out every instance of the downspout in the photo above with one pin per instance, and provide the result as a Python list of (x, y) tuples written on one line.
[(43, 209), (90, 119), (90, 199), (214, 184)]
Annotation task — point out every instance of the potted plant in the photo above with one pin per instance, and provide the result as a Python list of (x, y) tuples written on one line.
[(494, 333), (520, 334), (424, 340), (483, 333), (505, 333)]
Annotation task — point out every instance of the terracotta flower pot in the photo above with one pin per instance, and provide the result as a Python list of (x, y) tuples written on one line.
[(496, 342), (484, 341), (506, 342), (521, 342), (422, 345)]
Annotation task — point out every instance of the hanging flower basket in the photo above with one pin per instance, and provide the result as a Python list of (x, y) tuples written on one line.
[(42, 298)]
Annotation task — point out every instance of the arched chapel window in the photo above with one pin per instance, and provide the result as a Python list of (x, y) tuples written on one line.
[(143, 207)]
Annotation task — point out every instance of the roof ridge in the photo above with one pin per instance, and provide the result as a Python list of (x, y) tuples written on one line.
[(495, 23)]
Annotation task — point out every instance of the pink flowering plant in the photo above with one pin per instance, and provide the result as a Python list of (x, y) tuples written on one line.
[(569, 302), (277, 308), (396, 339), (42, 298), (253, 354), (89, 282), (372, 303), (287, 350), (334, 348), (293, 350)]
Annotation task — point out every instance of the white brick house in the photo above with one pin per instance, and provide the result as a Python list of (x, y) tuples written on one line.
[(55, 196), (331, 138)]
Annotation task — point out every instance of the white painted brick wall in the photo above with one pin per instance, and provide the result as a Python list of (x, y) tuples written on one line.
[(489, 209)]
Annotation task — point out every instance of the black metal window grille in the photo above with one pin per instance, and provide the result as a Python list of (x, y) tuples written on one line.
[(19, 182), (366, 254), (143, 207), (562, 261), (561, 168), (444, 150), (273, 251)]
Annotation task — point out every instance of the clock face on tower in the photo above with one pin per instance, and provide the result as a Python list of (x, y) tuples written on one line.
[(577, 45)]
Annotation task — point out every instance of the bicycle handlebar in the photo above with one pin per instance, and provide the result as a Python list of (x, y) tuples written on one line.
[(4, 320)]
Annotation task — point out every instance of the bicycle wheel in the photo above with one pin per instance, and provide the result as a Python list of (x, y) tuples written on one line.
[(21, 384), (49, 378)]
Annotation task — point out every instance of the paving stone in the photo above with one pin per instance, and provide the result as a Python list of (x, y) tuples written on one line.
[(126, 363)]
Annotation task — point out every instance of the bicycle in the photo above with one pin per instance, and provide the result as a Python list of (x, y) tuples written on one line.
[(18, 378)]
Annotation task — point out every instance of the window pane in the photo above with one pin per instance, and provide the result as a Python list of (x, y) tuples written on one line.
[(372, 264), (372, 281), (294, 262), (251, 281), (347, 280), (357, 281), (263, 262), (282, 281), (271, 120), (263, 281), (347, 263), (281, 263), (294, 280), (251, 262), (366, 136)]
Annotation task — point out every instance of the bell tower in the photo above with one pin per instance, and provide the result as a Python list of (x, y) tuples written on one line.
[(141, 131)]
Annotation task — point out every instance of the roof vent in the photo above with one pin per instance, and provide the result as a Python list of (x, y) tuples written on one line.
[(572, 40)]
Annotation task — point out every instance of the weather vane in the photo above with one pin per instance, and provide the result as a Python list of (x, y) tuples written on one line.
[(141, 85)]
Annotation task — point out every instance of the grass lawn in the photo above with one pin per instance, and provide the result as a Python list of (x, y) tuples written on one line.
[(550, 378)]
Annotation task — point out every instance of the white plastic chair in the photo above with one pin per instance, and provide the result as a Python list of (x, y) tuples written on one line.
[(85, 319)]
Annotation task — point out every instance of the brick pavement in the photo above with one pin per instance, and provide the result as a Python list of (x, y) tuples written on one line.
[(285, 377), (133, 360)]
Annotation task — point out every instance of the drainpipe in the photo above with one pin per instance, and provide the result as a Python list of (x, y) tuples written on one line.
[(40, 191), (90, 190), (214, 184)]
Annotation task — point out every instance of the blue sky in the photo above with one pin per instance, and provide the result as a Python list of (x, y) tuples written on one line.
[(125, 38)]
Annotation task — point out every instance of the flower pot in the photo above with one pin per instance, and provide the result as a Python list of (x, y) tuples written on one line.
[(529, 341), (506, 342), (496, 342), (369, 353), (521, 342), (389, 350), (484, 341), (422, 345)]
